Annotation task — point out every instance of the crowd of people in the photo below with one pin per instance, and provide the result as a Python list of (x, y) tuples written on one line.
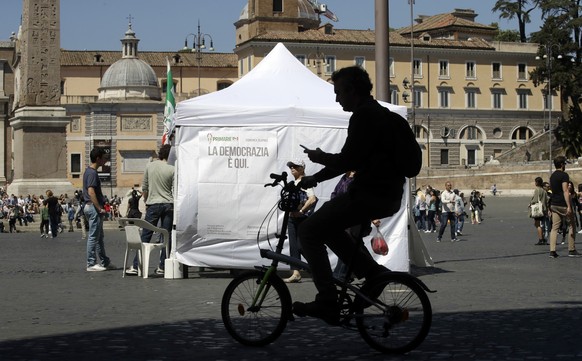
[(558, 209), (64, 211), (433, 210)]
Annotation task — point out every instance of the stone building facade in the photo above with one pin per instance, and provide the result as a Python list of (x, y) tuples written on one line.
[(470, 99)]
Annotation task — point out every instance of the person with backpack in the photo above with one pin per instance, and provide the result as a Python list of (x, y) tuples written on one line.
[(133, 203), (71, 216), (382, 149), (55, 210)]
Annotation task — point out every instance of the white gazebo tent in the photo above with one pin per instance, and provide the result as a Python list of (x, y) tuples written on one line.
[(227, 144)]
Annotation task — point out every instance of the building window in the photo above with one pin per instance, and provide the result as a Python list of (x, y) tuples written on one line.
[(360, 61), (135, 161), (496, 70), (394, 96), (277, 6), (75, 165), (391, 66), (522, 98), (522, 133), (420, 132), (471, 133), (443, 68), (165, 87), (241, 65), (223, 84), (497, 100), (417, 68), (329, 64), (301, 59), (521, 72), (471, 99), (471, 157), (417, 98), (444, 156), (470, 71), (444, 98), (548, 103), (249, 63)]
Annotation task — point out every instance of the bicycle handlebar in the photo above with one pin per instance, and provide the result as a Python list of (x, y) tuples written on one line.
[(277, 178)]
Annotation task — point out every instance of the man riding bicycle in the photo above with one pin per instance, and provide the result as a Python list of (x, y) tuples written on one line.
[(381, 148)]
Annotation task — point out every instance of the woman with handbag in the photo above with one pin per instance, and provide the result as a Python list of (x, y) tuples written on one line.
[(538, 208)]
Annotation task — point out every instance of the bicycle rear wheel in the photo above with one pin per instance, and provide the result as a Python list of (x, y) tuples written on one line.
[(401, 318), (255, 325)]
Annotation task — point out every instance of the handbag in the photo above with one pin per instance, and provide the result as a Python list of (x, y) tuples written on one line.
[(379, 245), (536, 210)]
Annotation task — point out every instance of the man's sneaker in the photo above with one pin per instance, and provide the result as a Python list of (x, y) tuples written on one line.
[(96, 268), (540, 243), (131, 271), (459, 233), (455, 240), (438, 239), (329, 312), (159, 271), (574, 253), (110, 266), (554, 254)]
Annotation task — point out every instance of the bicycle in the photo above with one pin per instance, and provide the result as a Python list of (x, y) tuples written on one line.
[(257, 304)]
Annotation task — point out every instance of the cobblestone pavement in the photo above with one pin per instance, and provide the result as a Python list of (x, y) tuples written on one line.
[(499, 298)]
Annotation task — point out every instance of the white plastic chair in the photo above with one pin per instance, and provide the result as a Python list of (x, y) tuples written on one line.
[(132, 228)]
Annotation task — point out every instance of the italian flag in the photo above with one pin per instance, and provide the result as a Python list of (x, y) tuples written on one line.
[(169, 115)]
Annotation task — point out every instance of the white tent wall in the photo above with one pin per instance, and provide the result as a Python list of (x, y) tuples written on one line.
[(217, 219), (227, 144)]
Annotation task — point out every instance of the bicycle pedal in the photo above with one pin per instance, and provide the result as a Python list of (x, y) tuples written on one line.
[(347, 324)]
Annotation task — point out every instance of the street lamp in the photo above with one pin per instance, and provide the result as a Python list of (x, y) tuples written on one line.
[(411, 84), (548, 57), (198, 44)]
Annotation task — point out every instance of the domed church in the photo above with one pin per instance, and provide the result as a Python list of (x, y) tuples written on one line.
[(126, 119), (129, 77)]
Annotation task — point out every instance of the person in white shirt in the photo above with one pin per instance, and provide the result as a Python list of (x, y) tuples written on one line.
[(448, 212), (459, 211)]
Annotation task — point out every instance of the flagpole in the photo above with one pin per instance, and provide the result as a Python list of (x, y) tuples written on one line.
[(170, 108)]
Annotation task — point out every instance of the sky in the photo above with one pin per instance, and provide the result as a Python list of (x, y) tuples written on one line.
[(164, 25)]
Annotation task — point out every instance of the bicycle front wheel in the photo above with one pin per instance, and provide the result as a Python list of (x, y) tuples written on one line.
[(400, 320), (259, 324)]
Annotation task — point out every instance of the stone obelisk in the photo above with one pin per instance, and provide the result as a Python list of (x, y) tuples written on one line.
[(39, 123)]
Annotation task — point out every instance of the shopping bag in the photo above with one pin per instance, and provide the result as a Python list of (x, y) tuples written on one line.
[(379, 244), (536, 210)]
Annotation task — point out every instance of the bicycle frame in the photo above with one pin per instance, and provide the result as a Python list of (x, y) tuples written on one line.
[(391, 312), (277, 256)]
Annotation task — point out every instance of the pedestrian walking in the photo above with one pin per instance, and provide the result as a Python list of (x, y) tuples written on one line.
[(448, 212), (561, 208), (540, 195)]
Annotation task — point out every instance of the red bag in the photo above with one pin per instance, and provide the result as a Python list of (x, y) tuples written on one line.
[(379, 244)]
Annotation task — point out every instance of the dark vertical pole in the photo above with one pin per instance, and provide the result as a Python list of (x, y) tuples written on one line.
[(382, 53)]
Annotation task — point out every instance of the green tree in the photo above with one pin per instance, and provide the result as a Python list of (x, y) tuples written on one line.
[(567, 13), (560, 36), (511, 36), (569, 134), (516, 9)]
